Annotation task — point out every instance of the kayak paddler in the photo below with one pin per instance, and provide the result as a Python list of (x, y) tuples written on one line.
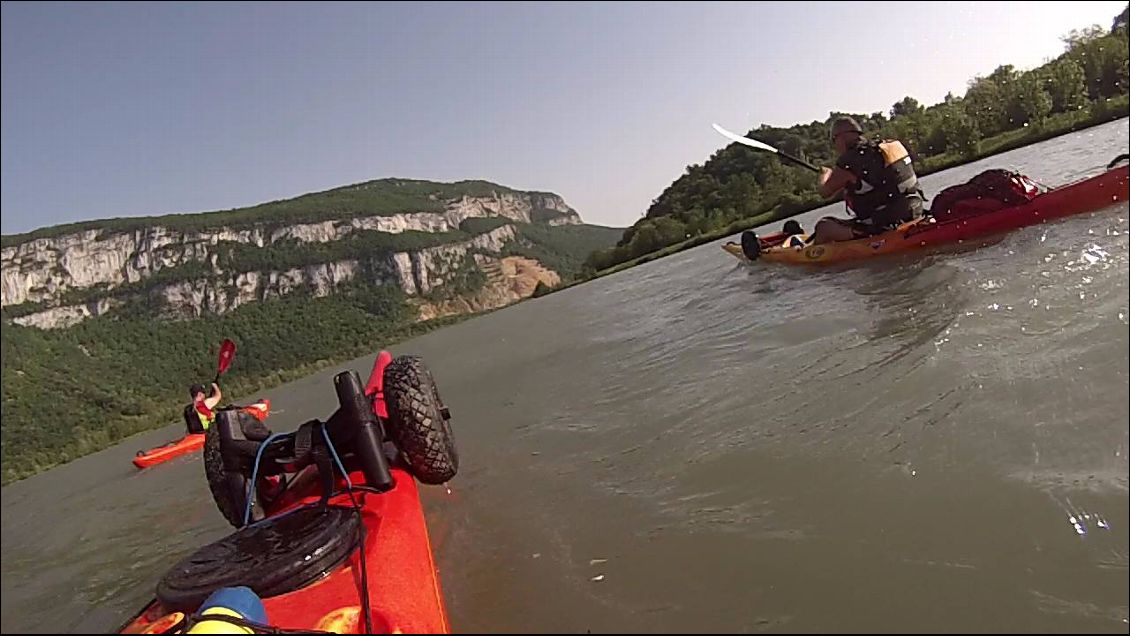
[(199, 415), (878, 181)]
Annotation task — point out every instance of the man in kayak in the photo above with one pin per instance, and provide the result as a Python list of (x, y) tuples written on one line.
[(198, 416), (878, 181), (794, 233)]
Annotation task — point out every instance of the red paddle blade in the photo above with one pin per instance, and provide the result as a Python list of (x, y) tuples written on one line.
[(227, 352)]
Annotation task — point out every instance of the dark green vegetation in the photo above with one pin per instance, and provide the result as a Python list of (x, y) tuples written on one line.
[(739, 188), (73, 391)]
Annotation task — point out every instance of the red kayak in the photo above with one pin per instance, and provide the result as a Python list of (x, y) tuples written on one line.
[(325, 553), (152, 457), (404, 591), (976, 218), (189, 443)]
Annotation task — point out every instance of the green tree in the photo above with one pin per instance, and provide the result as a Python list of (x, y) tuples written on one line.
[(1028, 102), (1079, 37), (1101, 57), (907, 106), (1004, 74), (1109, 57), (984, 103), (961, 132), (1066, 85)]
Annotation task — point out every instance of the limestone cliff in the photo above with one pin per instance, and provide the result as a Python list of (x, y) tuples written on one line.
[(65, 277)]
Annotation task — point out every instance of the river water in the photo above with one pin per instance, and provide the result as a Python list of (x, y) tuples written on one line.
[(699, 445)]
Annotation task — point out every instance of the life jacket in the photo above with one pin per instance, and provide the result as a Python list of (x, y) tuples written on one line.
[(198, 417), (886, 189)]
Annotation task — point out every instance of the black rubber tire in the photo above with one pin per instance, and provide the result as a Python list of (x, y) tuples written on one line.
[(217, 476), (217, 479), (419, 424), (751, 245), (274, 557)]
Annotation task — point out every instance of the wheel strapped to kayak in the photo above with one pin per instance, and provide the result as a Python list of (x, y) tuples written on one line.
[(272, 557)]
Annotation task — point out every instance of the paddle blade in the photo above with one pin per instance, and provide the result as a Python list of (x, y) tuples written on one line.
[(227, 352), (745, 141)]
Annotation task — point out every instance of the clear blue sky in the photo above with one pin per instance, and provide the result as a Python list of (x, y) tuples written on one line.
[(130, 109)]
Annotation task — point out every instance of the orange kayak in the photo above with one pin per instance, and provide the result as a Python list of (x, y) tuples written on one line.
[(1087, 195), (192, 442), (183, 446)]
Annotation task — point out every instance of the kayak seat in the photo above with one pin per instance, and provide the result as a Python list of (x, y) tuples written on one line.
[(239, 446), (356, 432), (272, 557), (240, 436)]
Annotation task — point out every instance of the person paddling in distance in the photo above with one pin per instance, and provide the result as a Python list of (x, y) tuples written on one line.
[(878, 182), (199, 415)]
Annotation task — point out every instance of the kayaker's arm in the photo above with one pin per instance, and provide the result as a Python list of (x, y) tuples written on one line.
[(212, 400), (832, 180)]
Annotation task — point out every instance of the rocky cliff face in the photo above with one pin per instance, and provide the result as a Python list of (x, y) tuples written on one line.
[(43, 269), (66, 315), (95, 264), (509, 280)]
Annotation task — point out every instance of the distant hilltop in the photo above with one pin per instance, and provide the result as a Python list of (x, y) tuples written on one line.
[(417, 235)]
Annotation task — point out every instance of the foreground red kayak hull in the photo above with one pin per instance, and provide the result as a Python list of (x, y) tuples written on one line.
[(404, 588)]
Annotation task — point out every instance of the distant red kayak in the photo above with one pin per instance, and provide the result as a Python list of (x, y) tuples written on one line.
[(192, 442), (183, 446)]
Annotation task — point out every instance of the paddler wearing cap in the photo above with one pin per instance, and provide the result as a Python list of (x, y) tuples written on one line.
[(878, 181), (198, 416)]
